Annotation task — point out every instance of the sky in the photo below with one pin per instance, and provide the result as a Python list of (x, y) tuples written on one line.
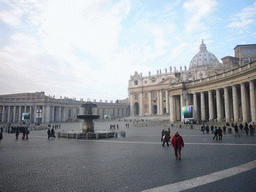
[(89, 49)]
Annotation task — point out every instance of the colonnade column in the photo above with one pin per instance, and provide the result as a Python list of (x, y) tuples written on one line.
[(202, 106), (181, 105), (195, 106), (161, 102), (14, 114), (19, 117), (30, 111), (227, 107), (131, 105), (52, 118), (60, 115), (9, 113), (219, 106), (211, 108), (141, 105), (43, 114), (244, 100), (3, 114), (150, 103), (235, 102), (167, 101), (35, 115), (172, 111), (253, 102)]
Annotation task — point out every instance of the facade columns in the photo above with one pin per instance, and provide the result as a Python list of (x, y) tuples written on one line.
[(52, 118), (161, 102), (3, 114), (167, 101), (43, 114), (244, 101), (141, 106), (9, 113), (60, 115), (131, 105), (252, 100), (202, 106), (14, 113), (181, 105), (195, 106), (172, 111), (150, 103), (19, 117), (35, 114), (227, 106), (211, 108), (219, 106), (235, 103)]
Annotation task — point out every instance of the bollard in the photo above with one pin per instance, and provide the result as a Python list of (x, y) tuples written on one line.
[(87, 136), (191, 126), (97, 136), (180, 126), (106, 135), (58, 134), (68, 135), (77, 136)]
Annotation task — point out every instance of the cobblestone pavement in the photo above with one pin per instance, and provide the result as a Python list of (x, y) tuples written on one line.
[(134, 163)]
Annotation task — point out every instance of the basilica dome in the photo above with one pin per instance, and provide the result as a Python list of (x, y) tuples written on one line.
[(203, 59)]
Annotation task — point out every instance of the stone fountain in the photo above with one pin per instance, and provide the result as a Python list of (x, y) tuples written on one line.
[(87, 116), (86, 113)]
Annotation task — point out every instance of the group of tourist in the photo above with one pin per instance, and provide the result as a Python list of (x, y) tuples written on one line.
[(176, 142), (217, 131)]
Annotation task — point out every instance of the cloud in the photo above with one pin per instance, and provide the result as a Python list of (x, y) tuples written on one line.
[(198, 10), (245, 18)]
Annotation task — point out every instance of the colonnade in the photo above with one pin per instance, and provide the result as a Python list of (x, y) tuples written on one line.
[(229, 103), (38, 113)]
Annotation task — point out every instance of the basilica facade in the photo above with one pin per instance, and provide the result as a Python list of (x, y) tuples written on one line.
[(214, 91)]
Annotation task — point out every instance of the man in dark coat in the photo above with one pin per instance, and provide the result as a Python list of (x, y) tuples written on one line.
[(241, 127), (52, 132), (246, 128), (49, 133), (166, 139), (220, 133), (177, 143), (236, 130)]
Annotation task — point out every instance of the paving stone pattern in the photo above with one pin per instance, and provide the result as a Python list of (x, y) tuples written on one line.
[(134, 163)]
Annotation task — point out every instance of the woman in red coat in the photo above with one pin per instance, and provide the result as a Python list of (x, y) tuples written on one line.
[(177, 143)]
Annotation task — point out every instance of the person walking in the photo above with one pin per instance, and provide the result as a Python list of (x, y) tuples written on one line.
[(251, 129), (1, 136), (169, 133), (241, 127), (215, 131), (212, 129), (220, 133), (52, 132), (26, 132), (166, 139), (177, 143), (236, 130), (49, 133), (207, 129), (17, 133), (203, 129), (163, 131), (224, 129), (246, 128)]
